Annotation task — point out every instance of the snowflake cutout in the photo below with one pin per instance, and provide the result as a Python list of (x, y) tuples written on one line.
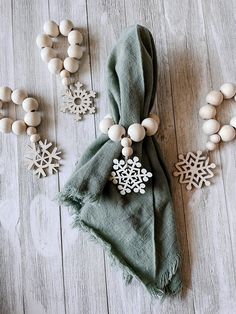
[(42, 159), (129, 175), (78, 101), (194, 170)]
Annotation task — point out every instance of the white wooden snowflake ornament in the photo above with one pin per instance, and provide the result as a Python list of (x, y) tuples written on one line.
[(43, 159), (78, 101), (129, 175), (194, 170)]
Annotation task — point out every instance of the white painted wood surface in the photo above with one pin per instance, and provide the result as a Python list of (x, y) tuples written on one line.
[(45, 265)]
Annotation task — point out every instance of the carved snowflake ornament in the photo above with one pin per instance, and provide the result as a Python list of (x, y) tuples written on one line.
[(129, 175), (78, 101), (194, 170), (43, 159)]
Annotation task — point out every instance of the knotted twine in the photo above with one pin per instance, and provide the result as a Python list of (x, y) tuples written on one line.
[(137, 230)]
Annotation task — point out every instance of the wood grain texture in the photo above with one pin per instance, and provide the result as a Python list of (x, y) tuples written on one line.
[(46, 265)]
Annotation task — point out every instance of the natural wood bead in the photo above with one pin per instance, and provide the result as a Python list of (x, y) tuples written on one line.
[(51, 28), (48, 53), (75, 37), (214, 98), (211, 126), (5, 93), (211, 146), (30, 104), (44, 40), (67, 81), (228, 90), (127, 151), (155, 117), (207, 112), (31, 130), (5, 125), (18, 127), (32, 118), (116, 132), (75, 51), (233, 122), (34, 138), (136, 132), (150, 126), (18, 95), (64, 73), (126, 142), (55, 65), (215, 138), (71, 64), (227, 133), (105, 125), (65, 27)]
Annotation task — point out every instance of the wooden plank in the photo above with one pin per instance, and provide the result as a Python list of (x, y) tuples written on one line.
[(205, 210), (40, 229), (11, 294), (84, 273)]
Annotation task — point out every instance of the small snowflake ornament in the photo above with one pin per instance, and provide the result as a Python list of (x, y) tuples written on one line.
[(78, 101), (129, 175), (194, 170), (43, 159)]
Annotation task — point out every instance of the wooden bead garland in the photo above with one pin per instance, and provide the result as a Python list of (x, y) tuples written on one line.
[(49, 55), (211, 126), (42, 157), (128, 174)]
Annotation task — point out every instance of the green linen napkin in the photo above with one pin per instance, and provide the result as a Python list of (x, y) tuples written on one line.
[(137, 230)]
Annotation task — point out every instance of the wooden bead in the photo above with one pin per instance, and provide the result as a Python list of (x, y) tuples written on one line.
[(64, 73), (207, 112), (51, 28), (75, 51), (116, 132), (5, 125), (71, 64), (30, 104), (43, 41), (105, 125), (126, 142), (214, 98), (227, 133), (32, 118), (18, 127), (67, 81), (215, 138), (18, 95), (233, 122), (55, 65), (228, 90), (75, 37), (48, 53), (31, 130), (155, 117), (211, 126), (127, 151), (211, 146), (136, 132), (34, 138), (150, 126), (65, 27), (5, 93)]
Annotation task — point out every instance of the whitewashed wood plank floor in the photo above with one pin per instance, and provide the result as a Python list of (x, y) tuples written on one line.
[(45, 265)]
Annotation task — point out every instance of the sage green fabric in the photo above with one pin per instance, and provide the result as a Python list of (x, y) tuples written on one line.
[(137, 230)]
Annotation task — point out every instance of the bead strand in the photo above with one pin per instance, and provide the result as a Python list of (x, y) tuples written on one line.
[(32, 117), (49, 55), (135, 133), (211, 126)]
